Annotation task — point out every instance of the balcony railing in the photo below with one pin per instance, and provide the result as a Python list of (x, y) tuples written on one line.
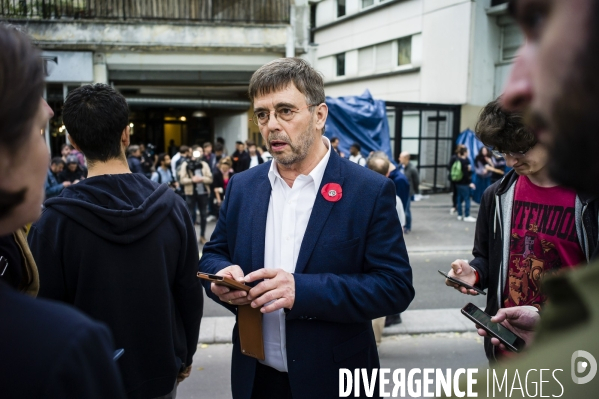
[(243, 11)]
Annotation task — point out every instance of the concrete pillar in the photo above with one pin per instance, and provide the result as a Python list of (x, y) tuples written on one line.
[(232, 128), (100, 69), (290, 45)]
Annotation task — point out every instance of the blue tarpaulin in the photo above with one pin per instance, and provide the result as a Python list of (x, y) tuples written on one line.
[(468, 138), (359, 119)]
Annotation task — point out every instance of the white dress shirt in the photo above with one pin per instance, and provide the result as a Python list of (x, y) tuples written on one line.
[(289, 211), (359, 159)]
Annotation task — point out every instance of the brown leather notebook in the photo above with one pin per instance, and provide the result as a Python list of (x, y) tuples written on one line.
[(249, 320)]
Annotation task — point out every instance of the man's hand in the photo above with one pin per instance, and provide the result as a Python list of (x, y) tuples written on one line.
[(521, 320), (461, 270), (197, 179), (66, 183), (184, 374), (472, 186), (225, 294), (277, 289)]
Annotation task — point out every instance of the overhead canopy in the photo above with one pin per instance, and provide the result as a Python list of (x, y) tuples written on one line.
[(359, 119)]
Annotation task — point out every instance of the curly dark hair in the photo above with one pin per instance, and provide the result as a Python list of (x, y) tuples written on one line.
[(503, 130)]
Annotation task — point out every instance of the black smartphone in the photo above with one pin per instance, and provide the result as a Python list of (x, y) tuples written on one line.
[(508, 338), (226, 281), (462, 283)]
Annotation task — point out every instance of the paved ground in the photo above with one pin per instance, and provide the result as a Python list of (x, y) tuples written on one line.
[(211, 373)]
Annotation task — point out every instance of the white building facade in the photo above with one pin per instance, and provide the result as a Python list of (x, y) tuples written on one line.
[(435, 63)]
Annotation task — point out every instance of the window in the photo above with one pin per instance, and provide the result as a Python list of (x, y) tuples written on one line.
[(340, 64), (367, 3), (340, 8), (380, 58), (312, 21), (384, 56), (511, 40), (366, 59), (404, 51)]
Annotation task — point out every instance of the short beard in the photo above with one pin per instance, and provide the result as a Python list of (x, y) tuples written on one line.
[(299, 150), (574, 152)]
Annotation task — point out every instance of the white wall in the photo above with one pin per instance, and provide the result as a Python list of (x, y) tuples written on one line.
[(392, 22), (484, 55), (441, 36), (231, 128), (445, 58), (326, 11), (404, 88)]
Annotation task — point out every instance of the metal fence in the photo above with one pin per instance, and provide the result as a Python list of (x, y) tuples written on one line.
[(245, 11)]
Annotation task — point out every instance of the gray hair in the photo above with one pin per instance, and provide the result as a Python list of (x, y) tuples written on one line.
[(379, 164), (132, 149), (278, 74)]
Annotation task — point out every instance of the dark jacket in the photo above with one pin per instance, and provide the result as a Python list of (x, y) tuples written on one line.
[(413, 178), (66, 175), (210, 160), (492, 239), (49, 350), (123, 249), (241, 161), (466, 173), (135, 165), (52, 186), (352, 267), (402, 186)]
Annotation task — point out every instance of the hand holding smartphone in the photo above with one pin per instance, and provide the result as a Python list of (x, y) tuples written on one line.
[(461, 283), (505, 336), (224, 281)]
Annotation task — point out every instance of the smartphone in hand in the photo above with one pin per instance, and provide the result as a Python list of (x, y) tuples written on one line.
[(225, 281), (505, 336), (462, 283)]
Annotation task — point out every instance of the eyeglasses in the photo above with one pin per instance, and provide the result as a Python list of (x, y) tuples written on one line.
[(513, 154), (286, 114)]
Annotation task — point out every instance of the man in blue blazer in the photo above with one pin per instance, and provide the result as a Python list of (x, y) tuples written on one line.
[(325, 254)]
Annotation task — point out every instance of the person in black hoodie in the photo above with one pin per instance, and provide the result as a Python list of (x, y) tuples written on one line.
[(122, 249), (47, 349)]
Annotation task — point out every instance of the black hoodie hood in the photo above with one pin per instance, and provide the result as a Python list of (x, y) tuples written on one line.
[(120, 208)]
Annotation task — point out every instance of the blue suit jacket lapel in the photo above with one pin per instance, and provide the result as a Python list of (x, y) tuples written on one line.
[(320, 213), (261, 199)]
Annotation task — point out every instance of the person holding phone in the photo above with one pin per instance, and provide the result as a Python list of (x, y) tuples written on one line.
[(318, 239), (528, 227)]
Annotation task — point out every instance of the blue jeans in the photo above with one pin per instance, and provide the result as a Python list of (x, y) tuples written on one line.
[(463, 195), (408, 213)]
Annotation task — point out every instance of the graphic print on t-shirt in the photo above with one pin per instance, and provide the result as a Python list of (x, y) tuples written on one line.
[(543, 240)]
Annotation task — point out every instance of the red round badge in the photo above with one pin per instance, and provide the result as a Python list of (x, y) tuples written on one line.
[(332, 192)]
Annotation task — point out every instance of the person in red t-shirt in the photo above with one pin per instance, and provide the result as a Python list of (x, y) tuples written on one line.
[(527, 228)]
